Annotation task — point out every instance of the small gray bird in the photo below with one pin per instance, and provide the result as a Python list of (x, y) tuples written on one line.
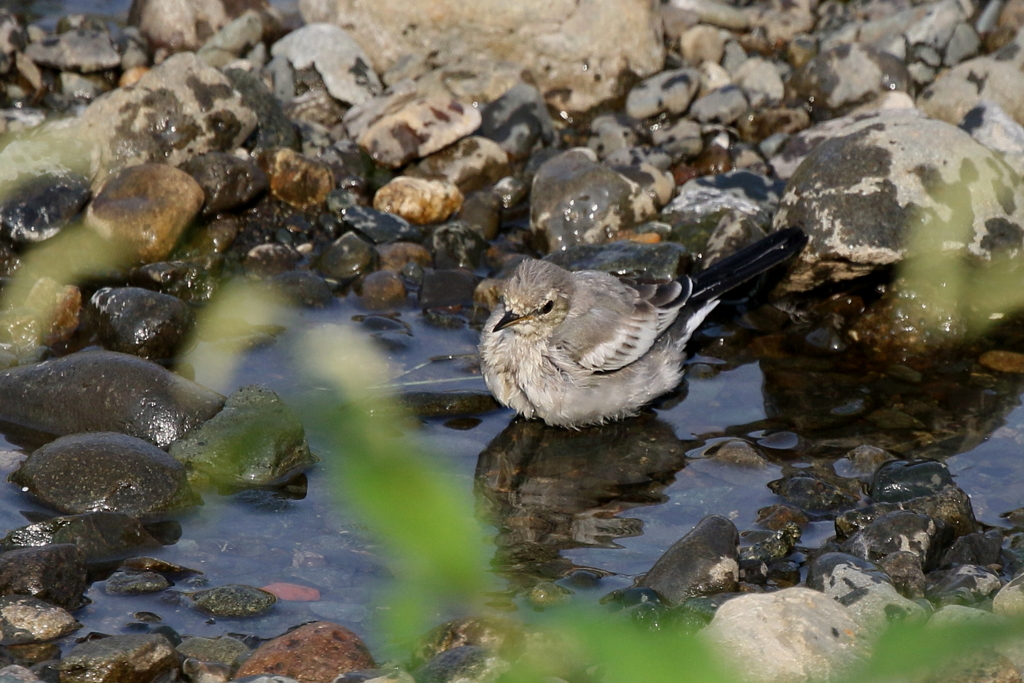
[(577, 349)]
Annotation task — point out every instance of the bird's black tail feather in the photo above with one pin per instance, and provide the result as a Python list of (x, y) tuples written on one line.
[(747, 263)]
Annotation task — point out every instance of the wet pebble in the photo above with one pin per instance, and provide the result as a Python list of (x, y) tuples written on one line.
[(296, 179), (468, 662), (518, 121), (119, 659), (448, 287), (189, 281), (495, 633), (347, 258), (457, 245), (380, 227), (471, 163), (703, 562), (143, 210), (256, 440), (576, 200), (901, 480), (863, 587), (418, 200), (397, 255), (447, 403), (101, 536), (25, 620), (270, 259), (627, 258), (228, 181), (223, 649), (382, 290), (792, 634), (967, 584), (842, 77), (141, 322), (39, 208), (1003, 361), (810, 492), (55, 573), (902, 530), (904, 568), (102, 391), (318, 651), (233, 600), (303, 288), (105, 471), (134, 583)]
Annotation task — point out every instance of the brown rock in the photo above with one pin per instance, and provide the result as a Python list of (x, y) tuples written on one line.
[(120, 659), (314, 653), (296, 180), (394, 256), (59, 307), (132, 76), (419, 200), (382, 290), (143, 210), (1003, 361)]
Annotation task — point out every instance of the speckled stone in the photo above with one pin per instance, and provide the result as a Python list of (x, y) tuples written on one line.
[(82, 49), (670, 91), (124, 659), (319, 651), (840, 78), (419, 200), (420, 127), (576, 200), (898, 170), (176, 110)]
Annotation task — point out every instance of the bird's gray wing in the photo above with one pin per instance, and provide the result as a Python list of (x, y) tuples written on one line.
[(613, 323)]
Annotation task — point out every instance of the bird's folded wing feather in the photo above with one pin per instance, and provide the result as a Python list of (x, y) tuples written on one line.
[(616, 323)]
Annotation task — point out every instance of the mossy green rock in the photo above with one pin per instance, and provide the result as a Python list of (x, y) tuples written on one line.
[(255, 441)]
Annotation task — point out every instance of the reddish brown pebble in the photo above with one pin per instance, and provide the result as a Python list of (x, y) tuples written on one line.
[(132, 76), (296, 180), (1003, 361), (382, 290), (314, 653), (293, 592), (394, 256)]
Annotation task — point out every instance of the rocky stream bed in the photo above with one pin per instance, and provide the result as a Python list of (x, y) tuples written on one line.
[(845, 453)]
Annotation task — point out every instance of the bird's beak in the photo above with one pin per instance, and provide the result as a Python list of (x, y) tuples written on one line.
[(510, 318)]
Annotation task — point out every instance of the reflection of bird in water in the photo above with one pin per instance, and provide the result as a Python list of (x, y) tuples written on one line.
[(548, 489), (577, 349)]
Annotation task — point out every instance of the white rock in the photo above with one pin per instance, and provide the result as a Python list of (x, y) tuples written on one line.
[(342, 63), (790, 636)]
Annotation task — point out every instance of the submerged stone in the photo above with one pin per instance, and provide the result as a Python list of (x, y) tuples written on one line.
[(256, 440)]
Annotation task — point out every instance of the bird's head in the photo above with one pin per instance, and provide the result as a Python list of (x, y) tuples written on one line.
[(536, 298)]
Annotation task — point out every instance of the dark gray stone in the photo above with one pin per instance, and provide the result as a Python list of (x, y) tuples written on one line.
[(703, 562), (39, 208), (234, 600), (105, 471), (101, 536), (901, 480), (899, 531), (141, 322), (228, 182), (104, 391), (55, 573)]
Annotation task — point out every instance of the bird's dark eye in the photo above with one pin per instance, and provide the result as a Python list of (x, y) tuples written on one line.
[(547, 307)]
